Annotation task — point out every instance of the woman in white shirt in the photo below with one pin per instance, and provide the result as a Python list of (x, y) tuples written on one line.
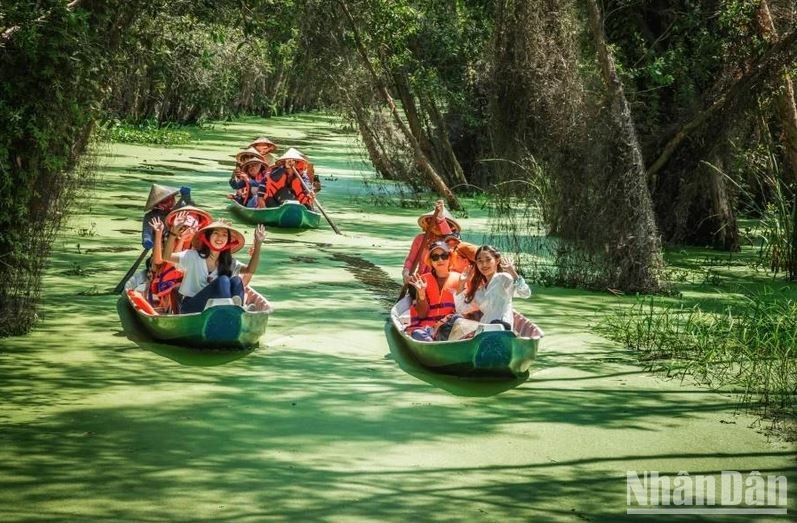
[(209, 270), (490, 288)]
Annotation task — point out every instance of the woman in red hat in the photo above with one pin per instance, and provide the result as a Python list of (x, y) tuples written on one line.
[(444, 225), (209, 270)]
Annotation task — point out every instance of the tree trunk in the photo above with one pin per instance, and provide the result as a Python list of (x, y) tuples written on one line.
[(375, 151), (725, 229), (638, 254), (457, 175), (420, 157), (793, 253), (784, 98)]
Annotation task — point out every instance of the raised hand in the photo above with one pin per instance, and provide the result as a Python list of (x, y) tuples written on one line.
[(156, 224), (438, 207), (179, 221), (508, 267), (260, 233), (418, 282)]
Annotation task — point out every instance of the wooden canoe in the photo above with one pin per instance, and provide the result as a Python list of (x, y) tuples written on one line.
[(491, 353), (220, 326), (290, 214)]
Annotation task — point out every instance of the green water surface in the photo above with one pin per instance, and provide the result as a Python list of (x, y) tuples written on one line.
[(328, 420)]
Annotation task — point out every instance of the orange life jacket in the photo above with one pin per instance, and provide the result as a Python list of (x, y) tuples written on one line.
[(140, 303), (166, 278), (441, 301), (278, 180)]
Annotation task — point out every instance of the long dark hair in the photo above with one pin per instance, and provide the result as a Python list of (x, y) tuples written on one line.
[(478, 278), (224, 267)]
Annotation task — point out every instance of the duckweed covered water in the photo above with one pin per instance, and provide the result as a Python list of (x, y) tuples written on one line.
[(326, 421)]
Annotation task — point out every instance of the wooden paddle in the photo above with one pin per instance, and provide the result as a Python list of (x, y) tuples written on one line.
[(121, 284), (424, 244), (316, 202)]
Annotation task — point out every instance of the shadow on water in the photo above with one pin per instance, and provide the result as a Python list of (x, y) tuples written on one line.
[(372, 276), (380, 284), (190, 357), (471, 387), (292, 241)]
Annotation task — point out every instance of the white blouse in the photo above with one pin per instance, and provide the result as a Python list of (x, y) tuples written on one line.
[(195, 272), (494, 300)]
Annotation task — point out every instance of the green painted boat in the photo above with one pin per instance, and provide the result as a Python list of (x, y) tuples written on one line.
[(496, 353), (221, 325), (290, 214)]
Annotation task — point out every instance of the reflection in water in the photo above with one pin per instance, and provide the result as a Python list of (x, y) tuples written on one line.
[(471, 387)]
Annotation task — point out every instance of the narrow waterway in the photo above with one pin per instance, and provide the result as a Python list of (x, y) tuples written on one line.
[(328, 419)]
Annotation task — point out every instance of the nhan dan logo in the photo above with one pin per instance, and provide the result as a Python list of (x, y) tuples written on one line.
[(730, 492)]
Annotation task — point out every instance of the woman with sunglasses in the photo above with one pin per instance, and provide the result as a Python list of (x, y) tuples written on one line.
[(433, 293), (489, 289)]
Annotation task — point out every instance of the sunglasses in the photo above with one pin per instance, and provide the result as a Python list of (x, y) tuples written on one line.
[(436, 257)]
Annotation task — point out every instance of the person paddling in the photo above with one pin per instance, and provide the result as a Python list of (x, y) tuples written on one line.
[(209, 270), (283, 184), (161, 201), (443, 225)]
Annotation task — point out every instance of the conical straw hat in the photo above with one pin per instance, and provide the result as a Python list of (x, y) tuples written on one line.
[(262, 140), (248, 152), (292, 154), (250, 161), (236, 237), (424, 219), (203, 217), (157, 194)]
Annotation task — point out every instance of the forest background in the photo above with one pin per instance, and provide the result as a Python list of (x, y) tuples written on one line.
[(616, 128)]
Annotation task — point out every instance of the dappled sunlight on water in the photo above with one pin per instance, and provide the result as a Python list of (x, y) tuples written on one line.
[(328, 419)]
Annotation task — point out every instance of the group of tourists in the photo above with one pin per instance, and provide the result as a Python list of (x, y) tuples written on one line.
[(455, 284), (260, 179), (191, 260), (451, 283)]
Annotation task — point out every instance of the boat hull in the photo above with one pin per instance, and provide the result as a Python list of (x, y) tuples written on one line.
[(290, 214), (222, 326), (489, 353)]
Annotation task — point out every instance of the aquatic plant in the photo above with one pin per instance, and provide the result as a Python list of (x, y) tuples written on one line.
[(749, 348)]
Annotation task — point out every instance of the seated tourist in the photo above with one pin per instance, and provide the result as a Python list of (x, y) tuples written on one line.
[(209, 270), (489, 288), (256, 196), (432, 293)]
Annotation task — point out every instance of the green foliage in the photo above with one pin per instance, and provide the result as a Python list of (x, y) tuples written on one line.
[(778, 234), (50, 96), (189, 65), (146, 133), (748, 348)]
